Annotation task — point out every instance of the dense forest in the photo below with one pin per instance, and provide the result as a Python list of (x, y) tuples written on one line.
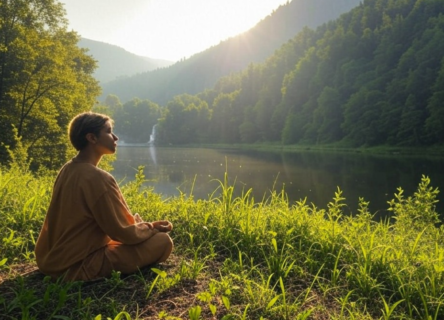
[(375, 76)]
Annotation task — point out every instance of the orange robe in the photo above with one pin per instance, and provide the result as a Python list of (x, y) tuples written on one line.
[(89, 228)]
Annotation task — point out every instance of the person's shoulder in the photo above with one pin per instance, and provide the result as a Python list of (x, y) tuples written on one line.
[(104, 174), (87, 171), (97, 173)]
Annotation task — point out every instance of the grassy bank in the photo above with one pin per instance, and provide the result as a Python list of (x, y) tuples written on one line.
[(238, 259), (339, 148)]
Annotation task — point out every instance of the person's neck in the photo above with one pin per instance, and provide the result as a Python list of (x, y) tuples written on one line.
[(87, 157)]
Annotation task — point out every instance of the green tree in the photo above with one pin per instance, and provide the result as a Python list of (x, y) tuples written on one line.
[(248, 132), (135, 119), (410, 123), (329, 116), (224, 124), (361, 118), (186, 120), (113, 103), (45, 79), (293, 129), (435, 122)]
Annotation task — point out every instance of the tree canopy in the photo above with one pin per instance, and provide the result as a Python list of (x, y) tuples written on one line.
[(45, 79)]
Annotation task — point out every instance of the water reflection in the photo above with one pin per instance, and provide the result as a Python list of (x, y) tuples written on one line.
[(312, 175), (152, 150)]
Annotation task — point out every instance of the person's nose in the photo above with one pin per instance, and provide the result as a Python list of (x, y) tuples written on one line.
[(115, 137)]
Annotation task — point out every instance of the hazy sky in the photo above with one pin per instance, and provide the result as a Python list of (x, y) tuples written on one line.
[(165, 29)]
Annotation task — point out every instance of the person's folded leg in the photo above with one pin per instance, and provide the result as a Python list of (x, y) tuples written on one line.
[(129, 258), (120, 257), (94, 266)]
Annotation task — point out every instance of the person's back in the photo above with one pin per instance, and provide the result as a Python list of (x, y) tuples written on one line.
[(70, 218)]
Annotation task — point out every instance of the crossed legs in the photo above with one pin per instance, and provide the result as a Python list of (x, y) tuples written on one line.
[(129, 258), (120, 257)]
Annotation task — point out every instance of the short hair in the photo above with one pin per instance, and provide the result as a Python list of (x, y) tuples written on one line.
[(84, 123)]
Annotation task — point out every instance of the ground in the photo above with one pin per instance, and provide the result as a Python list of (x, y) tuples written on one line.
[(23, 284)]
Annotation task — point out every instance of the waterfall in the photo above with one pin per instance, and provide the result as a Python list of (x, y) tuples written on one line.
[(153, 134)]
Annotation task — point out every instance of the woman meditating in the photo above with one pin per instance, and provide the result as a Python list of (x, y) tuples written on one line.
[(89, 230)]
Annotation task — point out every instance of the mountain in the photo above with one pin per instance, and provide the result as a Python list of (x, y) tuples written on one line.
[(115, 62), (202, 70), (372, 77)]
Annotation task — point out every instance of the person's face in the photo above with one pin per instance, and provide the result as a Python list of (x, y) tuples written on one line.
[(107, 140)]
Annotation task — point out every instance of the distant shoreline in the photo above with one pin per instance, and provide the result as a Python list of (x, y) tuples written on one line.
[(125, 144), (436, 151)]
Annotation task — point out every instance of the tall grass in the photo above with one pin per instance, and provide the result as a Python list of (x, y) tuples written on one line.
[(253, 260)]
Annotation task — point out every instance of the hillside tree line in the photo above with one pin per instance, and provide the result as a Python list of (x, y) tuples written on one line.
[(375, 76)]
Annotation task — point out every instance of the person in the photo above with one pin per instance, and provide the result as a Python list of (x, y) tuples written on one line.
[(88, 230)]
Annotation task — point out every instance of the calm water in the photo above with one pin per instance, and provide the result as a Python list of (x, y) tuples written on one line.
[(311, 175)]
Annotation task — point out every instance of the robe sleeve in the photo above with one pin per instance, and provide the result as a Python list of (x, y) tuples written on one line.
[(114, 218)]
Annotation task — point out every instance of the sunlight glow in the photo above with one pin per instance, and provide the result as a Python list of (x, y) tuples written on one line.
[(165, 29)]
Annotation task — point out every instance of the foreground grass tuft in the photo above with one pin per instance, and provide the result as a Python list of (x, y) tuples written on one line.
[(236, 258)]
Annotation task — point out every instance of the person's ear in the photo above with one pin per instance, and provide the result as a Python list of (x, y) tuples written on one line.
[(91, 137)]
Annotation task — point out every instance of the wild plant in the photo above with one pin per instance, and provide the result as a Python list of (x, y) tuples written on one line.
[(226, 197), (336, 271), (24, 198), (344, 302), (195, 313), (285, 304), (334, 213), (24, 299), (430, 296), (120, 316), (160, 274), (361, 273), (191, 269), (278, 261), (305, 314), (14, 244), (406, 290), (115, 280), (19, 156), (260, 294), (244, 314), (417, 211), (138, 195), (388, 309), (57, 294), (226, 299), (207, 297)]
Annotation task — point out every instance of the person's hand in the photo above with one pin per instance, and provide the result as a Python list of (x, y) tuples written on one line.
[(163, 225), (138, 218), (148, 224)]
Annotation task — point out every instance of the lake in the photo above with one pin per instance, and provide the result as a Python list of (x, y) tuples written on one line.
[(305, 174)]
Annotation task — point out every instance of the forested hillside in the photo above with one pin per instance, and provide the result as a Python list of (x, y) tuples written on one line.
[(373, 77), (115, 62), (202, 70)]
